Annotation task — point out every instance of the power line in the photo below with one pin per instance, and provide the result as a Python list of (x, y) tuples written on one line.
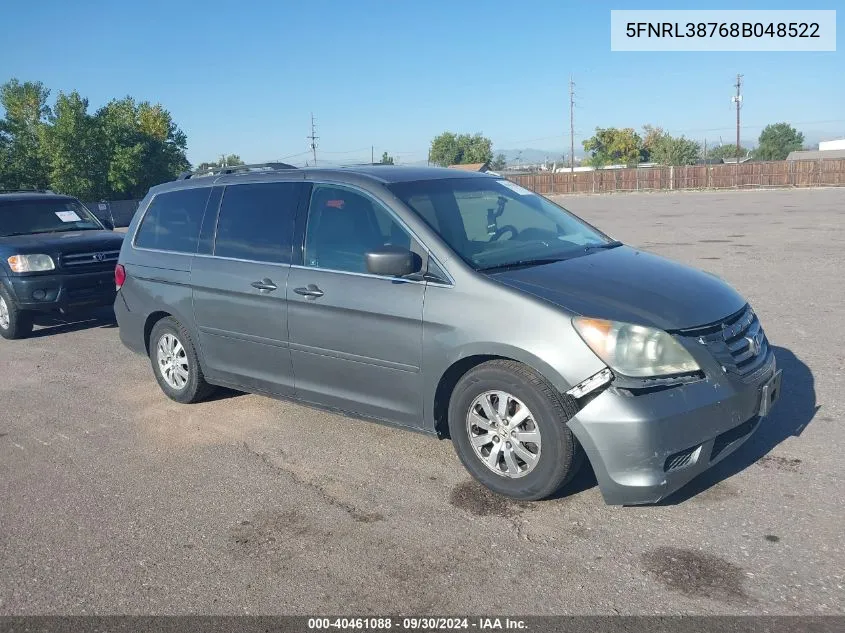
[(313, 138), (293, 155)]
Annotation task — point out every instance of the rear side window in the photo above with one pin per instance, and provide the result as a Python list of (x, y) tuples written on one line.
[(172, 221), (256, 221)]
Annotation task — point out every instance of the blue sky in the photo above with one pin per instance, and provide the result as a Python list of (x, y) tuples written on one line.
[(244, 77)]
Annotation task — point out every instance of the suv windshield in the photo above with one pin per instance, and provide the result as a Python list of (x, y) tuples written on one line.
[(24, 217), (494, 223)]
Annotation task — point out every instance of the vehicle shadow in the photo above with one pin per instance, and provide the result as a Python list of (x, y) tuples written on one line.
[(795, 409), (584, 479), (223, 393), (49, 324)]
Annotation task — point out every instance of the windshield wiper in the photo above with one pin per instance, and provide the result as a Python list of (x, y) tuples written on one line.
[(612, 244), (540, 261)]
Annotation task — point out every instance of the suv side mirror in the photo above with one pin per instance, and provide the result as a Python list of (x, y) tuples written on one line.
[(107, 222), (392, 261)]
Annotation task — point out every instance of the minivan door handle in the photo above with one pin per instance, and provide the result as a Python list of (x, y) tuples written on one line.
[(265, 284), (312, 291)]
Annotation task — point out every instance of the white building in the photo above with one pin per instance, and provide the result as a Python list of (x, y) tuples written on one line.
[(825, 146)]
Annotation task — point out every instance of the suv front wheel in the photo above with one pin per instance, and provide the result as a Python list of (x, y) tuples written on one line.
[(508, 425), (14, 322)]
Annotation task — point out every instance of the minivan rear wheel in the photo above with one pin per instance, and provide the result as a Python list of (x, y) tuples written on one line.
[(175, 363), (508, 426), (14, 322)]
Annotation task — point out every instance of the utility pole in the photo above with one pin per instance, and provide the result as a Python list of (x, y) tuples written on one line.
[(313, 138), (571, 125), (738, 101)]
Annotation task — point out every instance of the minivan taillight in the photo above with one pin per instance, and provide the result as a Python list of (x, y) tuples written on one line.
[(119, 275)]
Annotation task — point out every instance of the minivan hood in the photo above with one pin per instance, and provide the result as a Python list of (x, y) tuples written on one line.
[(54, 243), (626, 284)]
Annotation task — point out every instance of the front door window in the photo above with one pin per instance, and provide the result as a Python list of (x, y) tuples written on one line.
[(344, 225)]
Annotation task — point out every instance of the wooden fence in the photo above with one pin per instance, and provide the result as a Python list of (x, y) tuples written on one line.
[(804, 173)]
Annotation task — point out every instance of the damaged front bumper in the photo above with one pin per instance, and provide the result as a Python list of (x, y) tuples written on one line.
[(645, 446)]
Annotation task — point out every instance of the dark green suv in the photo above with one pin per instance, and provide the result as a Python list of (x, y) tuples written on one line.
[(55, 256)]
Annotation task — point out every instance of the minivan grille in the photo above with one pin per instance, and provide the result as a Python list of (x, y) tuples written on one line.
[(738, 342), (94, 260)]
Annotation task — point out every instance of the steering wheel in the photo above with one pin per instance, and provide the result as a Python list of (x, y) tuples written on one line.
[(508, 228)]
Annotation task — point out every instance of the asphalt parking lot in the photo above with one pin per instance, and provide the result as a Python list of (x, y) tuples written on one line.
[(117, 500)]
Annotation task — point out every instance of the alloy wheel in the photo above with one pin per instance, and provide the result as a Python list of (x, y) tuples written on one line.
[(172, 361), (4, 314), (503, 434)]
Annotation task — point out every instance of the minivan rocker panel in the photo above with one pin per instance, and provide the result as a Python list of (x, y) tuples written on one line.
[(482, 345)]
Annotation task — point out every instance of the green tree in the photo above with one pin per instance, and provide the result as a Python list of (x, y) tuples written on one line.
[(5, 159), (663, 148), (26, 108), (232, 160), (726, 151), (611, 146), (143, 146), (499, 163), (460, 149), (72, 144), (386, 159), (777, 140)]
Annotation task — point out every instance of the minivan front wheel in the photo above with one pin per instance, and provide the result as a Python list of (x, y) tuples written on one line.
[(508, 425), (175, 363)]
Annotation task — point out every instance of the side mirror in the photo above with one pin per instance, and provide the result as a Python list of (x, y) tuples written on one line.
[(392, 261), (107, 222)]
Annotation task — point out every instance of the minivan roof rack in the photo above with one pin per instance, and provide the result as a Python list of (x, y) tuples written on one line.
[(232, 169)]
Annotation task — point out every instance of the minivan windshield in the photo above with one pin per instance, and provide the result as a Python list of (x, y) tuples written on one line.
[(493, 223), (25, 217)]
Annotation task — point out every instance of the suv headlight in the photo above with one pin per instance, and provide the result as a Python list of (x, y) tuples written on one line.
[(31, 263), (635, 350)]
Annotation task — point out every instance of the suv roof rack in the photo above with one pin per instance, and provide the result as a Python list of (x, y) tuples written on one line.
[(232, 169)]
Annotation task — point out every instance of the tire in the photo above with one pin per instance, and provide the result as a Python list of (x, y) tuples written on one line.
[(14, 322), (186, 386), (557, 455)]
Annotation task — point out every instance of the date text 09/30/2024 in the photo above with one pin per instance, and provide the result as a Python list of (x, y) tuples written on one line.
[(417, 624)]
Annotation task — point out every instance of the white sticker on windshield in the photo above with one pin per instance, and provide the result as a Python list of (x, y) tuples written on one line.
[(514, 187), (68, 216)]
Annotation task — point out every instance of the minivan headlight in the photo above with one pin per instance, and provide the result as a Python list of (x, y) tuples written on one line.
[(635, 350), (31, 263)]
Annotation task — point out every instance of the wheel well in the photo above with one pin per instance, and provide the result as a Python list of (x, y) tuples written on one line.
[(154, 318), (447, 384)]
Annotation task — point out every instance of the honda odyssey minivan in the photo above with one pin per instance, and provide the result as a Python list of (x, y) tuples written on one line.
[(458, 304)]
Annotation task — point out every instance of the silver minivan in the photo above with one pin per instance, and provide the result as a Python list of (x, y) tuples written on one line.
[(457, 304)]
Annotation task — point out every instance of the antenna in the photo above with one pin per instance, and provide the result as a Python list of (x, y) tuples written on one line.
[(313, 138)]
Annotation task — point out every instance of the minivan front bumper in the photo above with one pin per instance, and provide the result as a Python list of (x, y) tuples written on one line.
[(645, 446)]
